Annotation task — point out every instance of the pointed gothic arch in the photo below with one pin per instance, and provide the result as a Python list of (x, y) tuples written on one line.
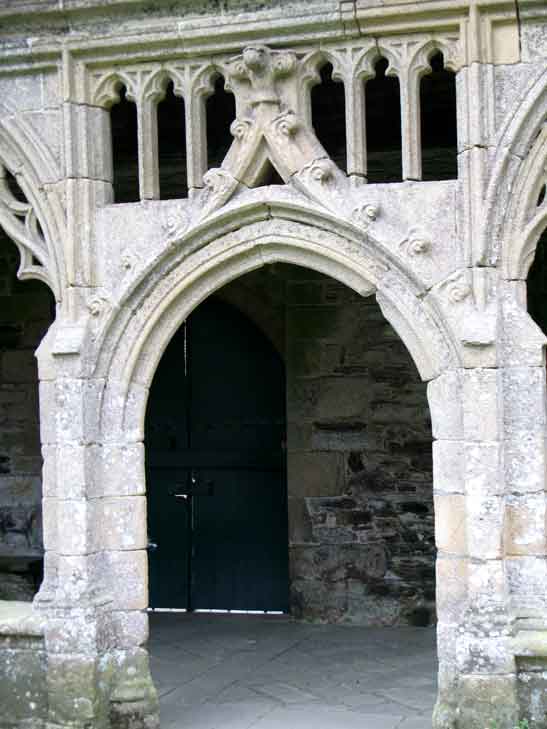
[(37, 225)]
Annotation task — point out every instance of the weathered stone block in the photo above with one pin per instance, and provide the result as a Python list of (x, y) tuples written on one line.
[(531, 688), (74, 690), (525, 463), (121, 468), (451, 588), (525, 400), (315, 474), (448, 467), (526, 580), (127, 578), (485, 515), (445, 395), (23, 695), (450, 523), (129, 628), (300, 528), (522, 341), (483, 469), (486, 584), (122, 523), (526, 524), (304, 358), (481, 404), (485, 700)]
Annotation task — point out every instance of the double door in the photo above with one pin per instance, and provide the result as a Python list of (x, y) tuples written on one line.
[(217, 506)]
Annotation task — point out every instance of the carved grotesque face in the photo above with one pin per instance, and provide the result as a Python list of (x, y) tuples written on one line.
[(255, 57)]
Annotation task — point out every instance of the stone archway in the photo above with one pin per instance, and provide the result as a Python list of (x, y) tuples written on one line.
[(99, 419), (147, 319)]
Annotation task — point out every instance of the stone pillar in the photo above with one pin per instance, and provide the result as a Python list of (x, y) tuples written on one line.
[(487, 690), (477, 672), (121, 493), (445, 401), (95, 586), (525, 467)]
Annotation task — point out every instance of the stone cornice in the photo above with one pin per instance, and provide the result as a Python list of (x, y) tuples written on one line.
[(39, 30)]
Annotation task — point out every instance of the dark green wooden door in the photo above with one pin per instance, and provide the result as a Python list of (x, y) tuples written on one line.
[(217, 507)]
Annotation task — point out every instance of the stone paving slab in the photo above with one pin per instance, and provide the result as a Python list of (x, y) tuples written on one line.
[(254, 672)]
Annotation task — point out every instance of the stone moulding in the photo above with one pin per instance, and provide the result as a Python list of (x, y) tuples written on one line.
[(36, 225), (513, 188), (203, 260)]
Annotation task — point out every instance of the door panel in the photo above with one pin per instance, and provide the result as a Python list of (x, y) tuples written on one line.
[(168, 520), (216, 410), (239, 531)]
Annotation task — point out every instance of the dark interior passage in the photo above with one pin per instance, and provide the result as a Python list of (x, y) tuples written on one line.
[(26, 311)]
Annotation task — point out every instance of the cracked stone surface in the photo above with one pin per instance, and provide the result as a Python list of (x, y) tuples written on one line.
[(238, 672)]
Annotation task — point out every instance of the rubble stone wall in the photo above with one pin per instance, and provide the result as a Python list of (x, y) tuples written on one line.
[(362, 545)]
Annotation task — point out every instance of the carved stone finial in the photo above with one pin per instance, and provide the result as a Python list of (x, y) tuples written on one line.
[(261, 68)]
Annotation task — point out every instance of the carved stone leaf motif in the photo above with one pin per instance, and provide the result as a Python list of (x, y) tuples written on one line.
[(217, 181), (21, 224), (365, 214), (456, 288), (416, 243), (319, 171), (219, 186), (240, 128), (286, 124), (97, 305), (174, 224)]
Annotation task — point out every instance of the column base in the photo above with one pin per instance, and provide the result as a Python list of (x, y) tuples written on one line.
[(134, 715), (486, 701)]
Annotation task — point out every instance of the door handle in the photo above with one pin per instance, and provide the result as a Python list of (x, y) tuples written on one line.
[(180, 496), (151, 546)]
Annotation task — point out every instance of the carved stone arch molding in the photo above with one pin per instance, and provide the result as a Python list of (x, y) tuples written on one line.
[(142, 322), (37, 224), (513, 189), (527, 217)]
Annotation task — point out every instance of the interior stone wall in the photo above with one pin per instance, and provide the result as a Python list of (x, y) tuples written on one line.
[(359, 462), (26, 311), (359, 444)]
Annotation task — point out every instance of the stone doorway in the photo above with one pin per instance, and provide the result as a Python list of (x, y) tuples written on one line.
[(360, 512)]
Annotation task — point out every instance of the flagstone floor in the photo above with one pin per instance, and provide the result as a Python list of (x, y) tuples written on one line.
[(268, 672)]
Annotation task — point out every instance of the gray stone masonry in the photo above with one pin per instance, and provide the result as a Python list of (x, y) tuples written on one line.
[(445, 256)]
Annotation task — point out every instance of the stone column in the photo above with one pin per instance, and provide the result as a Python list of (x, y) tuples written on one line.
[(71, 599), (445, 402), (477, 673), (525, 468), (487, 686), (95, 564), (121, 502)]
